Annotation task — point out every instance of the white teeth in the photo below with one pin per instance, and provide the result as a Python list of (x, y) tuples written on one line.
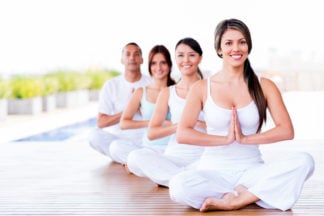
[(236, 56)]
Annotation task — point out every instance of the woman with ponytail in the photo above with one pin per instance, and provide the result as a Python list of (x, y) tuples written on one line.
[(231, 172)]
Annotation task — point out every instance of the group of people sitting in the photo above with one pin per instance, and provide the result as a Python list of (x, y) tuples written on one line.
[(200, 136)]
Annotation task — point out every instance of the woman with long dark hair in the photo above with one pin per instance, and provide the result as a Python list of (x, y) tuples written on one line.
[(231, 172)]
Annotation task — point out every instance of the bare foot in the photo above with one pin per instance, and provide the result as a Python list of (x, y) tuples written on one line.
[(225, 203), (126, 169), (240, 189)]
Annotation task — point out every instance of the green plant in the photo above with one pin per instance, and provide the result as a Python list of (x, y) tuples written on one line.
[(83, 81), (4, 89), (70, 80), (50, 85), (25, 87), (99, 76), (66, 80)]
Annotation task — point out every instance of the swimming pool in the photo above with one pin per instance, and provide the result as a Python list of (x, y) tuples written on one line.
[(63, 133)]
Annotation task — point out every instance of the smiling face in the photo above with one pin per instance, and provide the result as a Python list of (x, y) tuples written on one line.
[(159, 66), (233, 48), (187, 59)]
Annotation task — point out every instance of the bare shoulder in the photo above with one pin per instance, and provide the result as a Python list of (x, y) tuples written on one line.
[(268, 87), (164, 93), (198, 90), (138, 91), (267, 83), (200, 84), (166, 90)]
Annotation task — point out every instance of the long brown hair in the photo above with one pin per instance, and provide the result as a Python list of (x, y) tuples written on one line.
[(250, 77), (165, 52)]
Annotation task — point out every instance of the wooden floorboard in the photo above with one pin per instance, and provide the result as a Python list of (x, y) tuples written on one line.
[(69, 178)]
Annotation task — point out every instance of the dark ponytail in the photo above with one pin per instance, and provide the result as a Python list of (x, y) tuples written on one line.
[(250, 77), (256, 92)]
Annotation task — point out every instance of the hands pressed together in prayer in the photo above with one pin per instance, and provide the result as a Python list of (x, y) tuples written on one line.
[(234, 131)]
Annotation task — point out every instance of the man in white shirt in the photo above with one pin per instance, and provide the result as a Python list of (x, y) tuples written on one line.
[(113, 99)]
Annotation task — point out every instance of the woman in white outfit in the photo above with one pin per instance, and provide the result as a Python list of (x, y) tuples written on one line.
[(143, 100), (161, 166), (231, 173)]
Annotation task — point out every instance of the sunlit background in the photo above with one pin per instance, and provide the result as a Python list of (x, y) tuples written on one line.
[(38, 36), (46, 164)]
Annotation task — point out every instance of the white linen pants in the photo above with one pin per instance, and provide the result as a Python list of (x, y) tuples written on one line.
[(105, 143), (155, 165), (278, 184)]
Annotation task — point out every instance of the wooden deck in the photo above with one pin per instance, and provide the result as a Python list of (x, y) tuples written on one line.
[(69, 178)]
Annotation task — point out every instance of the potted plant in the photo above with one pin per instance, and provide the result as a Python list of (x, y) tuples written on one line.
[(4, 92), (25, 96), (82, 89), (72, 89), (50, 86), (97, 78)]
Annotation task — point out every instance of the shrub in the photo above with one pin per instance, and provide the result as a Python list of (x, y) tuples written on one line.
[(50, 85), (99, 76), (70, 80), (25, 87), (66, 80), (4, 89)]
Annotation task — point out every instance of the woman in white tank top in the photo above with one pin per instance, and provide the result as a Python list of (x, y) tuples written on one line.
[(161, 166), (231, 173)]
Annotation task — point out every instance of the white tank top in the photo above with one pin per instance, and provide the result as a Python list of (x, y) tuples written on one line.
[(234, 156), (189, 153)]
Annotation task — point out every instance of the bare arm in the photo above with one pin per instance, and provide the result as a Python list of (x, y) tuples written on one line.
[(157, 126), (283, 128), (105, 120), (126, 121), (186, 132)]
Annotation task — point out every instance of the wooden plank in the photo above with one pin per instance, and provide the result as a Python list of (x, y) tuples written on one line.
[(69, 178)]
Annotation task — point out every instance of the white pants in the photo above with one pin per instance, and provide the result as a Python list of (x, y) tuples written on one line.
[(105, 143), (278, 184), (120, 149), (153, 164), (135, 159)]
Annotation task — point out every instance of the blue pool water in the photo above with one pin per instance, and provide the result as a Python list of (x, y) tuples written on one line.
[(63, 133)]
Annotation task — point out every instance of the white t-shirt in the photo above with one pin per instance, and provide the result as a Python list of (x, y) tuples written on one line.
[(114, 97)]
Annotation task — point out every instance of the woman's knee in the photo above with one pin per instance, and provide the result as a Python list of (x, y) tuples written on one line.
[(183, 189), (94, 138), (307, 162), (115, 151), (302, 161), (177, 187), (132, 162)]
